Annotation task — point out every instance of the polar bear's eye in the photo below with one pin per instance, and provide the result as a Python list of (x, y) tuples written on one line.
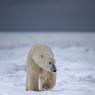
[(42, 56), (50, 63)]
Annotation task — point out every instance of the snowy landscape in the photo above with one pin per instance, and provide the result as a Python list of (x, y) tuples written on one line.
[(75, 61)]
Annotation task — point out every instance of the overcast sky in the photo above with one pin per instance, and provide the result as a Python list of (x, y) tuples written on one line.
[(47, 15)]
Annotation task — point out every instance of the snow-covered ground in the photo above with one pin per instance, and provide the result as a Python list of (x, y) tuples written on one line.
[(75, 61)]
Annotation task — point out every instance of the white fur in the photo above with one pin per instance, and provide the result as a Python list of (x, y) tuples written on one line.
[(38, 68)]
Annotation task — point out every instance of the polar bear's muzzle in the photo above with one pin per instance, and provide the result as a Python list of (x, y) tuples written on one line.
[(53, 67)]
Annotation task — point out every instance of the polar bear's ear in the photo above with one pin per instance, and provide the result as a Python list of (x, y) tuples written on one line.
[(42, 55)]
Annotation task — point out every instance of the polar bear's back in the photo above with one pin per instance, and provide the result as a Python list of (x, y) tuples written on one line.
[(40, 48)]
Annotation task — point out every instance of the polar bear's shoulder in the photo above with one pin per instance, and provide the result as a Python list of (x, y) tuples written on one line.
[(41, 48)]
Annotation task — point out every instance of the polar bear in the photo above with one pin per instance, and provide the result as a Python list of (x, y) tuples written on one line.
[(41, 69)]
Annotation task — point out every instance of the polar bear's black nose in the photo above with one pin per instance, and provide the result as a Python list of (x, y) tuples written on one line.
[(55, 70)]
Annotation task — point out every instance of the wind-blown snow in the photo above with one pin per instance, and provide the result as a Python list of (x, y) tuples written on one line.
[(75, 61)]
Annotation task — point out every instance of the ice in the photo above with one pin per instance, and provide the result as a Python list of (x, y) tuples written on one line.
[(75, 62)]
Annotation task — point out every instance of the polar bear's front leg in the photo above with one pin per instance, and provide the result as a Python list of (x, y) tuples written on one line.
[(48, 81), (32, 82)]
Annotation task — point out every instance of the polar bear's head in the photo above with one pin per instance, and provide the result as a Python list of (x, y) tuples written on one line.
[(43, 56)]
